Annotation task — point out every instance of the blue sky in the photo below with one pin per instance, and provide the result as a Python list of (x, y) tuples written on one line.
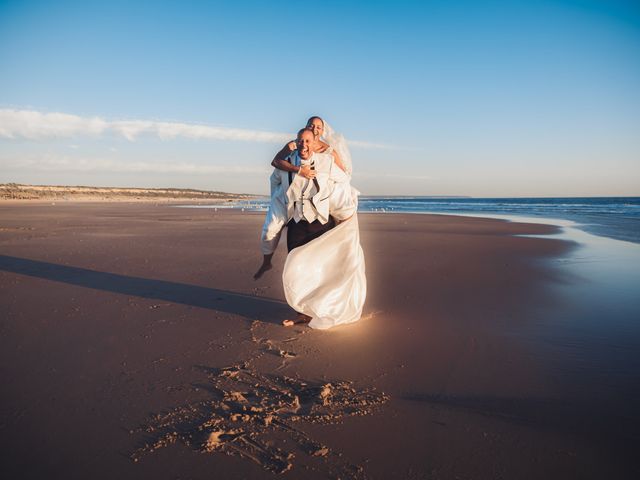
[(471, 98)]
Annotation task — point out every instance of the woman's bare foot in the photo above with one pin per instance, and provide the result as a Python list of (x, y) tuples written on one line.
[(265, 267), (301, 318)]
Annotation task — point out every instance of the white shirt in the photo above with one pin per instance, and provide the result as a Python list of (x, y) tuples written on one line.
[(303, 207)]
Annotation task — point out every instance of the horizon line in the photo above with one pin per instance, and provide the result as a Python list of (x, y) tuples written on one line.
[(443, 196)]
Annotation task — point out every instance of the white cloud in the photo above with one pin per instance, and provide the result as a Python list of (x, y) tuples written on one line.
[(64, 163), (359, 144), (34, 125), (358, 175)]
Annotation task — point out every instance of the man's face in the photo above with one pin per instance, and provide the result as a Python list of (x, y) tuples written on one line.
[(317, 127), (305, 142)]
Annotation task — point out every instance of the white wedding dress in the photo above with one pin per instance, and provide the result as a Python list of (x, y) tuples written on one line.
[(325, 278)]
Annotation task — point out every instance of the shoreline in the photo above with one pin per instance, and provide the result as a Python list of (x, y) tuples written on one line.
[(229, 204), (467, 352), (621, 223), (543, 219)]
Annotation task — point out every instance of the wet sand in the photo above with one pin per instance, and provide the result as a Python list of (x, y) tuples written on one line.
[(134, 343)]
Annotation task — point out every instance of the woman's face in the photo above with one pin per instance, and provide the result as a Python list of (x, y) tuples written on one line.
[(317, 126)]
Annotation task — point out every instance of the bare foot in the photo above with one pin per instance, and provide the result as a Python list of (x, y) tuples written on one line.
[(263, 268), (301, 318)]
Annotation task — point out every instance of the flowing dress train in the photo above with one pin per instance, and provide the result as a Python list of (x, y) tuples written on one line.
[(325, 278)]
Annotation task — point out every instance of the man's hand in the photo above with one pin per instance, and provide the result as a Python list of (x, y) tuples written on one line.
[(292, 146), (306, 172)]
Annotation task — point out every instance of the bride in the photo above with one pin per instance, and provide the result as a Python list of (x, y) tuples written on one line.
[(324, 279)]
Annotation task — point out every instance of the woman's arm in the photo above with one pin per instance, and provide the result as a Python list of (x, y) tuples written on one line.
[(336, 156), (280, 162), (339, 163)]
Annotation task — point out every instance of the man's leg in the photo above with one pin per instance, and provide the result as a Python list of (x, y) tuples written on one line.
[(299, 234), (300, 318), (296, 234), (303, 232)]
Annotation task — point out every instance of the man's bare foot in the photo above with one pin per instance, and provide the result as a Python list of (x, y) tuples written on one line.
[(265, 267), (300, 318)]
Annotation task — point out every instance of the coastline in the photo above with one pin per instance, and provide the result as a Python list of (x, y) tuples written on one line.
[(117, 312), (21, 193), (613, 217)]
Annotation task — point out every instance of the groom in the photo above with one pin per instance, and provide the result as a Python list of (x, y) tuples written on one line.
[(302, 202), (308, 199)]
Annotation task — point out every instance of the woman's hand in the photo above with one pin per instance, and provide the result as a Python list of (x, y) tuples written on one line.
[(307, 172)]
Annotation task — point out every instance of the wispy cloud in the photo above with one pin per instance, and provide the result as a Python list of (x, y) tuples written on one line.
[(388, 175), (35, 125), (381, 146), (64, 163), (61, 162)]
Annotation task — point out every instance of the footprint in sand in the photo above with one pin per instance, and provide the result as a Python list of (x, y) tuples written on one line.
[(248, 408)]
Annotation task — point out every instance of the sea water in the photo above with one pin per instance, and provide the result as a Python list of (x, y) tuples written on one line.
[(614, 217)]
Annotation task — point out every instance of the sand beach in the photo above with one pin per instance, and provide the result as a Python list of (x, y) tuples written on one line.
[(134, 343)]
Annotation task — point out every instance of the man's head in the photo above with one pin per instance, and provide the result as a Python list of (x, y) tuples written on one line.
[(304, 141), (316, 124)]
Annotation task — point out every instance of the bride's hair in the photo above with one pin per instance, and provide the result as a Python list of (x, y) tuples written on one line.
[(311, 119)]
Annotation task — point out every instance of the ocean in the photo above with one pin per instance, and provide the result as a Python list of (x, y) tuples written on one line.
[(613, 217)]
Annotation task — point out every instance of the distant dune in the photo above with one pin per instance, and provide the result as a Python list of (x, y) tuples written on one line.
[(14, 191)]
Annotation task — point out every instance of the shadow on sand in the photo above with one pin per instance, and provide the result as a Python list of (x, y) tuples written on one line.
[(249, 306)]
